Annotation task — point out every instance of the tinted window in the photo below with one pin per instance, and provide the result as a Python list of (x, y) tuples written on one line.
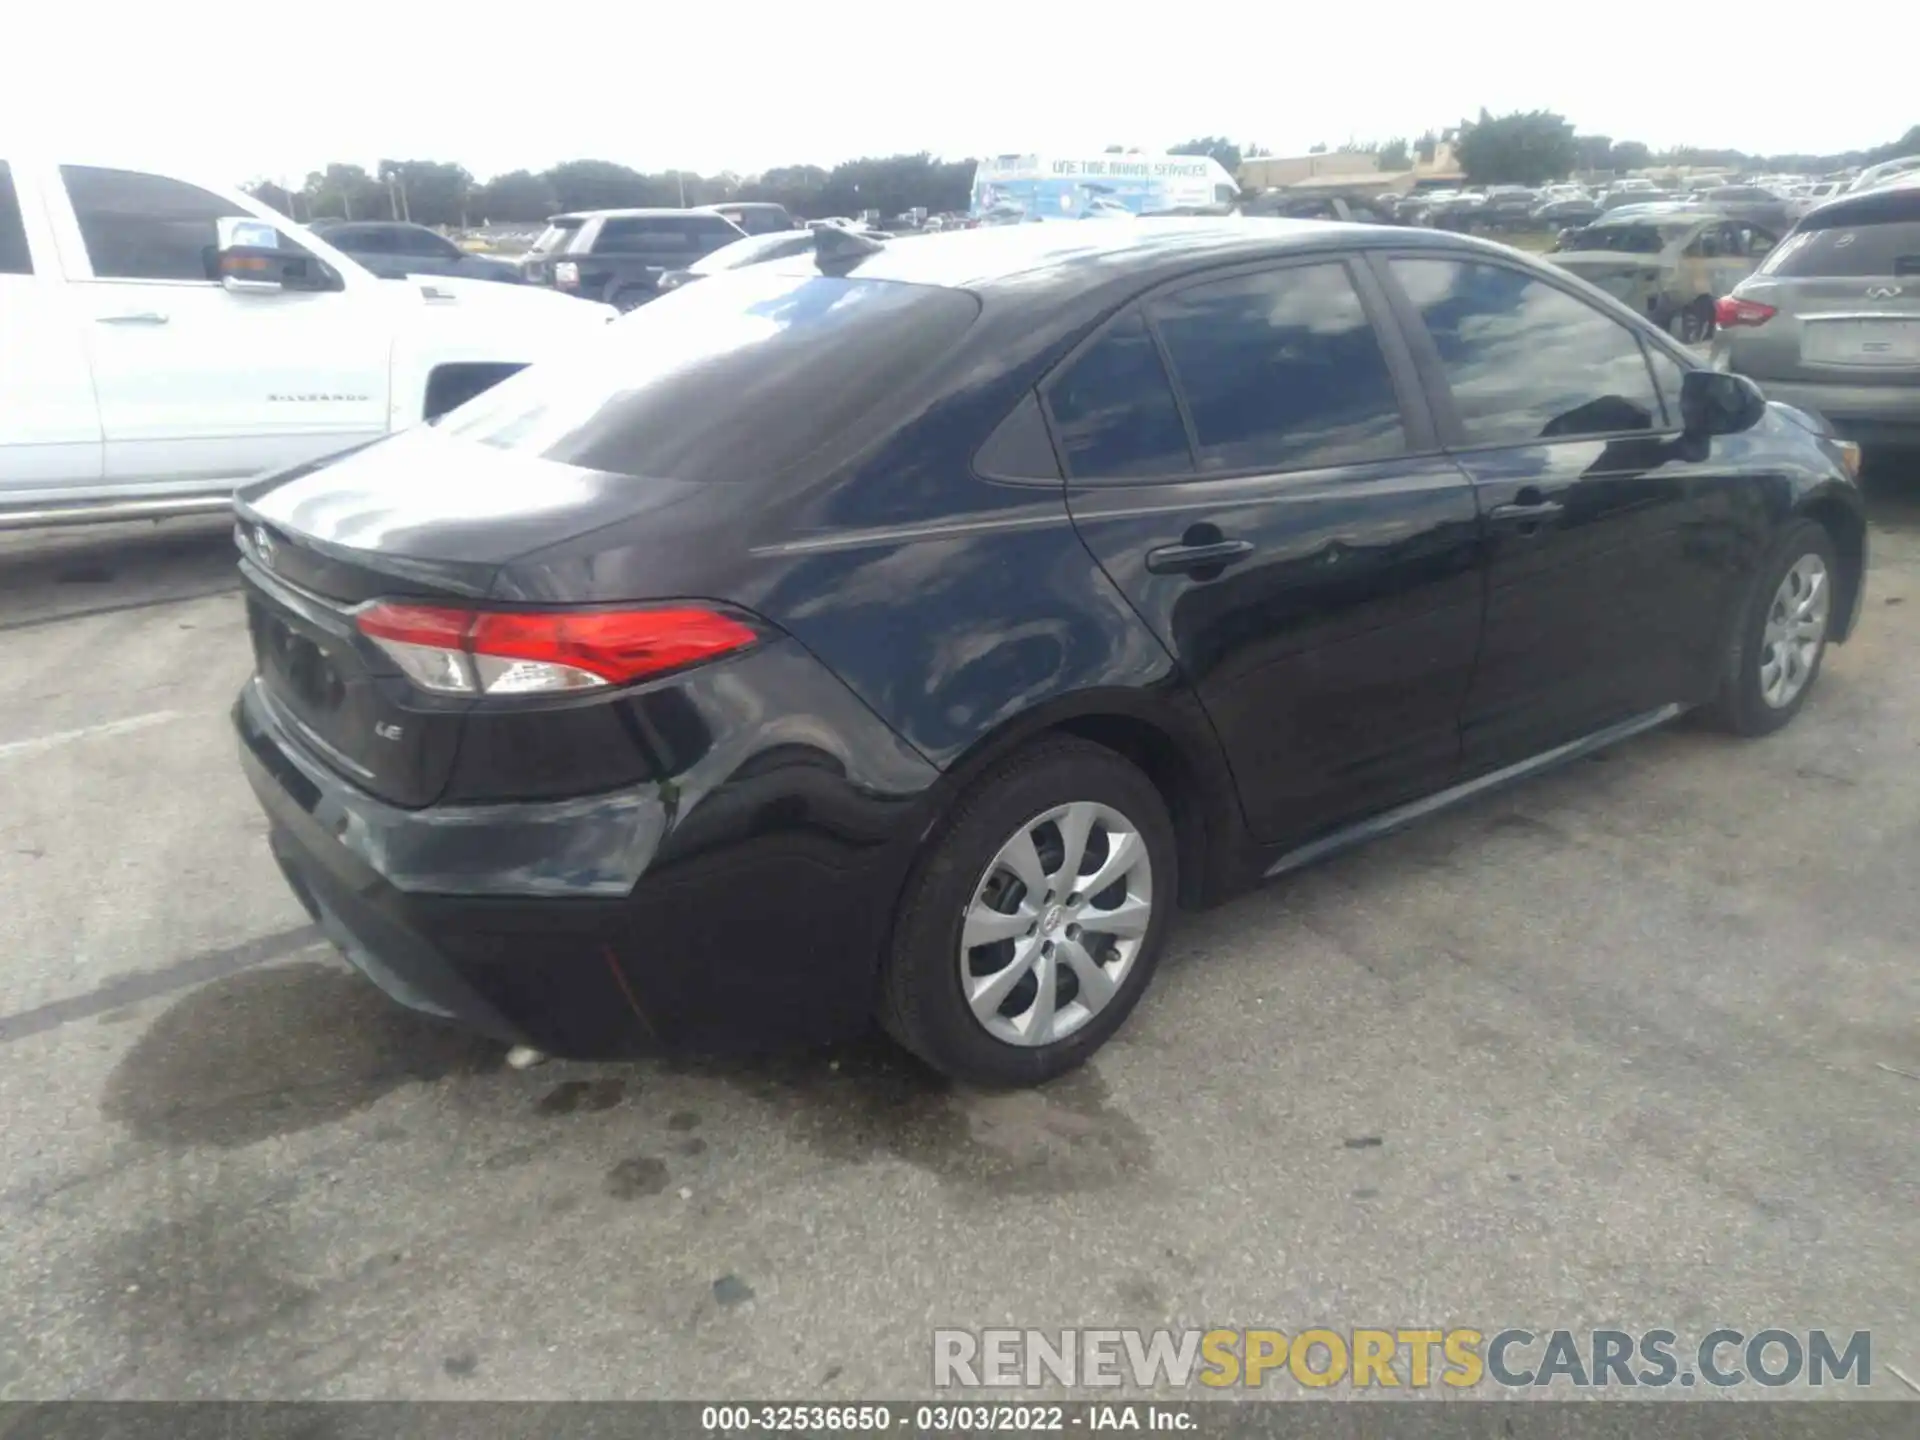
[(1281, 370), (1526, 361), (14, 258), (663, 232), (364, 239), (425, 243), (1872, 244), (804, 357), (759, 220), (145, 227), (1114, 412)]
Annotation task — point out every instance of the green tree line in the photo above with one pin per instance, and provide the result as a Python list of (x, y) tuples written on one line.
[(436, 192), (1526, 148)]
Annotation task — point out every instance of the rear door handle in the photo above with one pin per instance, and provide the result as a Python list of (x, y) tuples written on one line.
[(1537, 510), (1185, 559), (133, 317)]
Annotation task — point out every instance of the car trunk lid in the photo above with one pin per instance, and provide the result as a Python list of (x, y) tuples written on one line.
[(1843, 329), (412, 518)]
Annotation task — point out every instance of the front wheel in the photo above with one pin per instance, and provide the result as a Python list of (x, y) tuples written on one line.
[(1782, 634), (1033, 925)]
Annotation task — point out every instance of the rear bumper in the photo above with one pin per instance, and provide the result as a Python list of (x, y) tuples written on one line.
[(1889, 414), (754, 913)]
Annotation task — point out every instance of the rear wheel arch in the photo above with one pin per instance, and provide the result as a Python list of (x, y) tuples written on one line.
[(1182, 761)]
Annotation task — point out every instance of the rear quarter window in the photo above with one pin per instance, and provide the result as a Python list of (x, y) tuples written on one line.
[(795, 358), (556, 236)]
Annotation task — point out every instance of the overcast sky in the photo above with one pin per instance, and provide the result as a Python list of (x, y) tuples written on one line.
[(274, 90)]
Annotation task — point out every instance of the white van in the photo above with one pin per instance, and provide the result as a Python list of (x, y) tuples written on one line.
[(1009, 189)]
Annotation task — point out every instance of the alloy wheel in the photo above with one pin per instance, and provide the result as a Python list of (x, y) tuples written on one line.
[(1795, 630), (1056, 922)]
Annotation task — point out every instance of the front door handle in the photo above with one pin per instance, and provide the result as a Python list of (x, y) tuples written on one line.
[(1186, 559), (133, 317)]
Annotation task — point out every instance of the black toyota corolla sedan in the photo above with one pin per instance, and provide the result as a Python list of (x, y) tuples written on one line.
[(905, 631)]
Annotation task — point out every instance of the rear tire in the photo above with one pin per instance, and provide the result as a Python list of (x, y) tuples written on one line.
[(630, 297), (1781, 636), (974, 944), (1693, 325)]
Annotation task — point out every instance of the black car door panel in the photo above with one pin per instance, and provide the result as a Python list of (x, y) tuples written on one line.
[(1277, 513), (1598, 607)]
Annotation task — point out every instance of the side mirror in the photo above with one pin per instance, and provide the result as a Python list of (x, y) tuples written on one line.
[(250, 259), (1713, 402)]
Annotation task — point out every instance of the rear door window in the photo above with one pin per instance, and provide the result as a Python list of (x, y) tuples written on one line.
[(1281, 370), (693, 234), (15, 258), (801, 358), (1114, 414)]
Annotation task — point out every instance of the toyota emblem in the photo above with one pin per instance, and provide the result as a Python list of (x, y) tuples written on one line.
[(263, 544)]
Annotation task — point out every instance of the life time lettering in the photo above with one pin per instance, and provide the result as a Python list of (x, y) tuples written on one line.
[(1121, 168)]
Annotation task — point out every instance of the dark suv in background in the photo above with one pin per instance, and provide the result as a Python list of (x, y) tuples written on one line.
[(395, 249), (619, 255)]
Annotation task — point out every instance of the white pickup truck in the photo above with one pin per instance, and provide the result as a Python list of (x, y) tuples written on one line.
[(163, 340)]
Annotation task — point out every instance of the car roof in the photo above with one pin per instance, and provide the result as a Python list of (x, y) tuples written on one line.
[(1086, 254), (1889, 200)]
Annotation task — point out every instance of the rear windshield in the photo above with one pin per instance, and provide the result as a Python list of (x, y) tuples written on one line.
[(735, 378), (555, 236), (1858, 240)]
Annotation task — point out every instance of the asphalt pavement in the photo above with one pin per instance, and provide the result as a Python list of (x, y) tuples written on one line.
[(1636, 1045)]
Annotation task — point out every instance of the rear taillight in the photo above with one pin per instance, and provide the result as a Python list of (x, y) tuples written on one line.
[(1730, 311), (566, 275), (544, 652)]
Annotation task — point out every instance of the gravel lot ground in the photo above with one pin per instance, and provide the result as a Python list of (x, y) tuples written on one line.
[(1637, 1044)]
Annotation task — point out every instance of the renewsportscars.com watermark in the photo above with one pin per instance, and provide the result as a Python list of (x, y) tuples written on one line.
[(1410, 1358)]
